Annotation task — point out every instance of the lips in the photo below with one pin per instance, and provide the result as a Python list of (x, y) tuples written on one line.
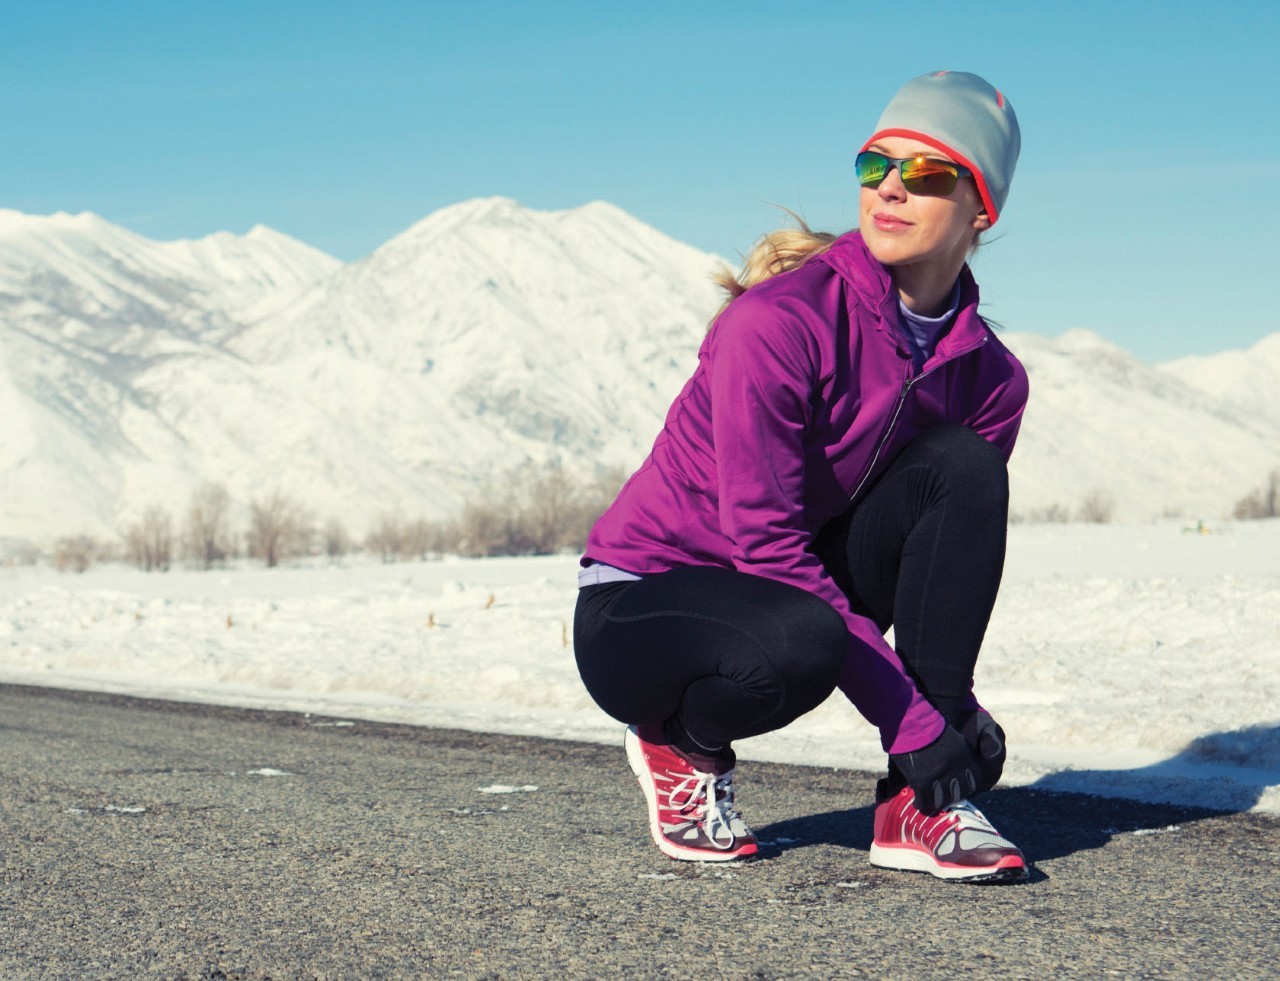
[(889, 223)]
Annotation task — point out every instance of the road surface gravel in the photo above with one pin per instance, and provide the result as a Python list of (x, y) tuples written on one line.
[(144, 838)]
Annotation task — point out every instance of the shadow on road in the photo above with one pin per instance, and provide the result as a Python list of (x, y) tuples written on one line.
[(1224, 771), (845, 829), (1062, 814)]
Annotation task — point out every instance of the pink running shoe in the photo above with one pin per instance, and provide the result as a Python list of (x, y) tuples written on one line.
[(691, 814), (957, 843)]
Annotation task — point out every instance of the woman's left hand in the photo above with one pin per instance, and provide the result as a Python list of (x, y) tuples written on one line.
[(986, 740), (944, 772)]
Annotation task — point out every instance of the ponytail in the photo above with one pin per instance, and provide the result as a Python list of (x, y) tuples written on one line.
[(775, 252)]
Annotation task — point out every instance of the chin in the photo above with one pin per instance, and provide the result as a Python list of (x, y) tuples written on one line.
[(886, 250)]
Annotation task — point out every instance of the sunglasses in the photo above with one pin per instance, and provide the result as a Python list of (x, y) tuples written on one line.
[(920, 174)]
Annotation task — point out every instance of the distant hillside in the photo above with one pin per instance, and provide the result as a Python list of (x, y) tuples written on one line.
[(1101, 421), (484, 336)]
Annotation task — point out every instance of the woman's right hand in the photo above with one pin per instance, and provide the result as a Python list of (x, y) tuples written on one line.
[(944, 772)]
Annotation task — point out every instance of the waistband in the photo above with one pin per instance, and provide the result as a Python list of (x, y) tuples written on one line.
[(597, 573)]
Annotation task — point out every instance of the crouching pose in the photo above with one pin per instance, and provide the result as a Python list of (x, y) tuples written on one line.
[(835, 466)]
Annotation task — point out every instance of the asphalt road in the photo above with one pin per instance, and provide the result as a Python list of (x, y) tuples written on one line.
[(144, 838)]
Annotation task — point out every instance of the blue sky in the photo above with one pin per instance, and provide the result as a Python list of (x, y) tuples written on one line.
[(1146, 204)]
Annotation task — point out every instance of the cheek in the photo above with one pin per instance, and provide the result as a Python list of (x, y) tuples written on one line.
[(868, 198), (935, 212), (947, 221)]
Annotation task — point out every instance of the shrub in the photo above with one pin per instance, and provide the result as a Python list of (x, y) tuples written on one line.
[(76, 553), (149, 541), (335, 540), (540, 510), (1262, 503), (1097, 507), (387, 536), (424, 538), (206, 536), (1054, 514), (279, 529)]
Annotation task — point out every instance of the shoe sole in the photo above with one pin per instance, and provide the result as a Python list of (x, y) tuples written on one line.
[(635, 758), (1011, 869)]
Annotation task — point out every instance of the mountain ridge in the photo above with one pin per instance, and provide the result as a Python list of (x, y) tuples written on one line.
[(484, 335)]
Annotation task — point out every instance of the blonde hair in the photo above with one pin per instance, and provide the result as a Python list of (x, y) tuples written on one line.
[(775, 252), (781, 251)]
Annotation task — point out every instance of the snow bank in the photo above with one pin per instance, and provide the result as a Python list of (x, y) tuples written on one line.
[(1138, 661)]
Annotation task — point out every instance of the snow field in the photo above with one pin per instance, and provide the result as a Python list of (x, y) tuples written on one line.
[(1137, 660)]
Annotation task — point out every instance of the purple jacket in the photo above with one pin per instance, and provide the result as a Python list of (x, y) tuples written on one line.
[(804, 391)]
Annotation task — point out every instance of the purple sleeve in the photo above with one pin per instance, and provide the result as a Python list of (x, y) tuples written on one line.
[(1000, 415), (762, 371)]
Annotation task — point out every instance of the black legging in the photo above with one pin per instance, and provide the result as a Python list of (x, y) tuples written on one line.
[(719, 655)]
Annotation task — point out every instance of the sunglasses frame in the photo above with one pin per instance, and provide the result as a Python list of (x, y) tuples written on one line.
[(897, 162)]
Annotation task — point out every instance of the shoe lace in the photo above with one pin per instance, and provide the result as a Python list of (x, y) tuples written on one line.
[(711, 799), (968, 816)]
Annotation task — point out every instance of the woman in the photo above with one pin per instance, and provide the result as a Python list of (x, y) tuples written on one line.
[(836, 465)]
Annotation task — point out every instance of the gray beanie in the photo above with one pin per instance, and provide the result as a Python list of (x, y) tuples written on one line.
[(967, 119)]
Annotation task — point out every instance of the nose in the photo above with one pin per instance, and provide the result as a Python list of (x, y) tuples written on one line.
[(891, 188)]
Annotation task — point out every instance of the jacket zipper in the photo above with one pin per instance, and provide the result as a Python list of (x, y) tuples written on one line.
[(897, 410), (884, 439)]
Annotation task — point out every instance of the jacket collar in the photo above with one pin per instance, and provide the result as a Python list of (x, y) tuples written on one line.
[(871, 286)]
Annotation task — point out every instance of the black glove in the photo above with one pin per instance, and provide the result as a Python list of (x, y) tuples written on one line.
[(986, 739), (942, 773)]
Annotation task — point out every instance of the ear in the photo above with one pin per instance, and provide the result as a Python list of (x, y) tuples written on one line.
[(982, 221)]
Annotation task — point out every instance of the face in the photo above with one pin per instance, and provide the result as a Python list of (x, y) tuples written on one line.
[(931, 235)]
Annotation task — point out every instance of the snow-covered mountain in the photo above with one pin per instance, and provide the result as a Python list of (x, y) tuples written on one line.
[(89, 310), (484, 336), (489, 333), (1244, 380), (81, 279), (1101, 422)]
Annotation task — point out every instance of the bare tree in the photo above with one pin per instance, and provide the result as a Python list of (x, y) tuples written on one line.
[(552, 505), (1054, 514), (486, 527), (279, 529), (395, 538), (594, 501), (149, 540), (538, 510), (337, 542), (530, 510), (442, 537), (1263, 503), (387, 536), (76, 553), (425, 538), (1097, 507), (206, 538)]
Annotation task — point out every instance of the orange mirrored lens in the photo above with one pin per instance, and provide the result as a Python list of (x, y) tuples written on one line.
[(920, 175)]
